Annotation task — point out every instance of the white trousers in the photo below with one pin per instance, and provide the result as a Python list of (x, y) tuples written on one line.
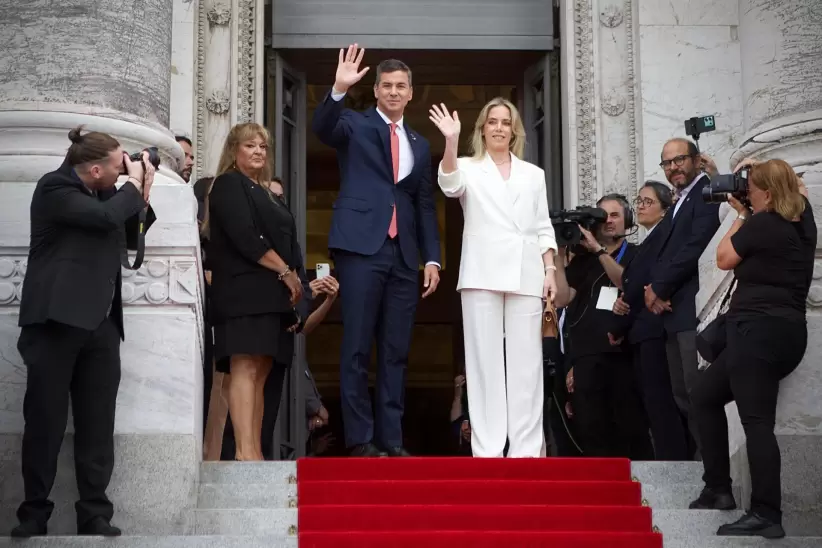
[(504, 402)]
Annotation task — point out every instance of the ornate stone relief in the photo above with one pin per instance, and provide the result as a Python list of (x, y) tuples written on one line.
[(613, 104), (219, 15), (160, 281), (218, 102), (631, 102), (815, 294), (586, 115), (199, 89), (247, 48), (611, 16)]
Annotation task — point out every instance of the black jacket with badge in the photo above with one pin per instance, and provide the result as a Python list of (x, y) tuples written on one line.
[(73, 274)]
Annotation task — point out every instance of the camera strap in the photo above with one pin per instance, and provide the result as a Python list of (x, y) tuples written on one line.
[(141, 244)]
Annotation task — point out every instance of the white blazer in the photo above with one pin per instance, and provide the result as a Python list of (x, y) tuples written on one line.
[(507, 225)]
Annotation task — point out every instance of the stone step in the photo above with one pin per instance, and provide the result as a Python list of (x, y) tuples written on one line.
[(667, 473), (676, 496), (245, 521), (249, 495), (694, 524), (152, 542), (243, 473), (675, 541)]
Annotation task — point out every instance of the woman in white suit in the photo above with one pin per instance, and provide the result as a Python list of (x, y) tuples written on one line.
[(506, 270)]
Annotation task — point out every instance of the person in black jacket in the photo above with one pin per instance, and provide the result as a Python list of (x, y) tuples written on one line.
[(686, 230), (71, 316), (645, 330), (770, 248), (254, 259)]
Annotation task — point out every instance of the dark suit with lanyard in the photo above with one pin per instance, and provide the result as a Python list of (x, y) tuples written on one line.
[(608, 416)]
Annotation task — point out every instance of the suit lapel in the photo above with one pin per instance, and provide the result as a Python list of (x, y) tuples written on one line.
[(498, 186), (416, 148)]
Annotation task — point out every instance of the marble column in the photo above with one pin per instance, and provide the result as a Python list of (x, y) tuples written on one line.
[(781, 53), (105, 64)]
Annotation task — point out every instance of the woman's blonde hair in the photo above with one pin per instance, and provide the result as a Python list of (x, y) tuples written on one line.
[(779, 178), (517, 144), (238, 135)]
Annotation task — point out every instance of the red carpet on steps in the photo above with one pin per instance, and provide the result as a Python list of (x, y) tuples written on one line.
[(477, 503)]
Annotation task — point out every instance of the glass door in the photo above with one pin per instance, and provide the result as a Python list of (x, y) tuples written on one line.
[(540, 105), (286, 118)]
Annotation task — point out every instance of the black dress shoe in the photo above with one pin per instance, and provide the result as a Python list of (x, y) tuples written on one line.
[(397, 452), (28, 529), (710, 499), (752, 525), (365, 450), (99, 527)]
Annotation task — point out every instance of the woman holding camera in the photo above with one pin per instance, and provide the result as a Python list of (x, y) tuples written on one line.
[(645, 330), (770, 248), (506, 270)]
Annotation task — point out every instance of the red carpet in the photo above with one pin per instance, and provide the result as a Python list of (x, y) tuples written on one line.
[(465, 502)]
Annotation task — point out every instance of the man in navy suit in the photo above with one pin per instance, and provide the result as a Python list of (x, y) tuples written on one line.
[(688, 227), (384, 220)]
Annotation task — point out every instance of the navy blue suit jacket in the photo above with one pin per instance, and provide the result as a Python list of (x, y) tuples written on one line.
[(365, 204), (640, 324), (676, 273)]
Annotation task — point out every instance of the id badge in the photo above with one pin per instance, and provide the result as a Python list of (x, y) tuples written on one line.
[(607, 298)]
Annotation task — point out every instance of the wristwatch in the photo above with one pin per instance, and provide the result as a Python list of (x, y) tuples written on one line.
[(601, 251)]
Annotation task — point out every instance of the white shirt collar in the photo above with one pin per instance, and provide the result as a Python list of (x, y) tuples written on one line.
[(684, 192), (388, 120)]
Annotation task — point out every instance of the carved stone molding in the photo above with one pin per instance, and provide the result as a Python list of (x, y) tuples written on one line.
[(633, 163), (611, 16), (815, 294), (160, 281), (199, 89), (219, 15), (613, 103), (246, 57), (586, 115), (218, 102)]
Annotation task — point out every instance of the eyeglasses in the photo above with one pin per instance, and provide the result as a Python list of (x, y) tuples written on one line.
[(647, 202), (677, 161)]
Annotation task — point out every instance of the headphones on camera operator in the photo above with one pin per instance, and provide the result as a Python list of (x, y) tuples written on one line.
[(627, 211), (140, 243)]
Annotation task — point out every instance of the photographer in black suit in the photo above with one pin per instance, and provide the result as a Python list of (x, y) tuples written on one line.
[(686, 230), (72, 323)]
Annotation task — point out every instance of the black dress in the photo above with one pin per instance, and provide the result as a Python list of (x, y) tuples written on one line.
[(251, 306)]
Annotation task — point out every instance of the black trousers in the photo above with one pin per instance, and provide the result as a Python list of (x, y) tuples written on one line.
[(668, 431), (272, 394), (61, 361), (683, 367), (759, 354), (608, 416)]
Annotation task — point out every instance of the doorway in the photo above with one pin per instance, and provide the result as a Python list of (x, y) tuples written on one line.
[(465, 81)]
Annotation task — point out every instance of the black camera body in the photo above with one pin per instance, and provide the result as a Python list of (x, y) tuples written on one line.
[(567, 222), (153, 158), (735, 184), (696, 126)]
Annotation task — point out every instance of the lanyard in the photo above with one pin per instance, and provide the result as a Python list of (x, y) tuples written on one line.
[(621, 251)]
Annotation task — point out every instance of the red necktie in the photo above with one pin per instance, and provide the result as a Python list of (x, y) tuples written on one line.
[(395, 159)]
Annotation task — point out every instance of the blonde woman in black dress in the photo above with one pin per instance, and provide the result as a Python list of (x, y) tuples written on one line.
[(254, 258)]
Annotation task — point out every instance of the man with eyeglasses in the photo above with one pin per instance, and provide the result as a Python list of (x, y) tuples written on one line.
[(688, 227)]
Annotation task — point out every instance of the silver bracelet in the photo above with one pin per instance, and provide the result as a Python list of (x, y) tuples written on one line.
[(550, 267)]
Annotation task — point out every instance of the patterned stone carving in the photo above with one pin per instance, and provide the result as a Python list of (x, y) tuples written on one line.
[(611, 16), (199, 123), (613, 104), (160, 281), (218, 102), (246, 57), (219, 15), (586, 115), (633, 163), (12, 272)]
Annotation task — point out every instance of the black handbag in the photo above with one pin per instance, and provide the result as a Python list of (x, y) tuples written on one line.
[(711, 341)]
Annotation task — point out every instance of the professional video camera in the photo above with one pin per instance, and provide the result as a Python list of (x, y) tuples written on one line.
[(153, 158), (735, 184), (567, 222)]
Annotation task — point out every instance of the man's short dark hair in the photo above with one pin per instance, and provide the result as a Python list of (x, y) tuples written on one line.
[(392, 65), (183, 138)]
